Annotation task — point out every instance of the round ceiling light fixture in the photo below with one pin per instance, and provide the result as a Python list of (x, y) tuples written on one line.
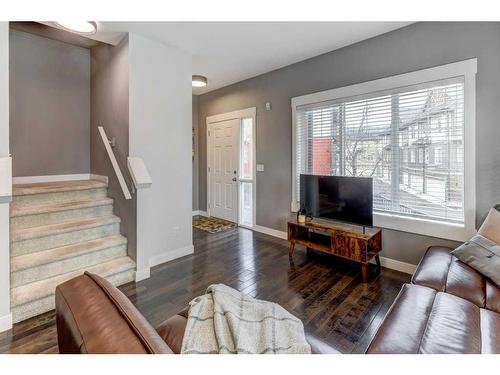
[(80, 27), (199, 81)]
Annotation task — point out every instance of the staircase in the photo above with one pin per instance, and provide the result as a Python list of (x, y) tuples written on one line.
[(57, 231)]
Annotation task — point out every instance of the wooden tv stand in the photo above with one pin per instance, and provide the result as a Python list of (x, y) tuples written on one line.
[(343, 240)]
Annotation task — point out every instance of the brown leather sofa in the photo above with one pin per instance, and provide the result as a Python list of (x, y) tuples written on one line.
[(448, 308), (95, 317)]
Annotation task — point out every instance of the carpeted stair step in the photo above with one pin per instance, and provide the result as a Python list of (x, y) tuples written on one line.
[(58, 230), (48, 263), (38, 297), (34, 239), (46, 192), (26, 215)]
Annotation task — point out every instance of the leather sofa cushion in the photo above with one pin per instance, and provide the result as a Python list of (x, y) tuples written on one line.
[(172, 331), (443, 272), (95, 317), (423, 320), (490, 328)]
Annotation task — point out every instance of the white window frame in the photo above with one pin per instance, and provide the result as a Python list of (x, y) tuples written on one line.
[(466, 69), (240, 115)]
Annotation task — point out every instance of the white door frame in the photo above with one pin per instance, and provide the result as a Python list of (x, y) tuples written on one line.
[(240, 115)]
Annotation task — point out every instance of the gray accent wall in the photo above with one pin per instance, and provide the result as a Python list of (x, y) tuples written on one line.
[(49, 106), (196, 153), (418, 46), (110, 108)]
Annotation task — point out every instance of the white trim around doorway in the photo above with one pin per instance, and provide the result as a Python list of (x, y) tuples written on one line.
[(240, 114)]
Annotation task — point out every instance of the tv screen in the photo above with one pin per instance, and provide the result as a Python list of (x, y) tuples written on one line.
[(348, 199)]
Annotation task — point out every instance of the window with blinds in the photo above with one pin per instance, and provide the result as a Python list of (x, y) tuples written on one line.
[(410, 140)]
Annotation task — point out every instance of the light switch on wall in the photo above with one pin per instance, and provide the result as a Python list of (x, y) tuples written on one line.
[(260, 167)]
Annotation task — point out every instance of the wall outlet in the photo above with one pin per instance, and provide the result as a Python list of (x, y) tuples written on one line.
[(260, 167), (268, 106)]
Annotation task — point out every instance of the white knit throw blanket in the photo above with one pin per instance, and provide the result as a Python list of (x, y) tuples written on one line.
[(226, 321)]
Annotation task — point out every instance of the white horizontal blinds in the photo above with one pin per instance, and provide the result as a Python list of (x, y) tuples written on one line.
[(409, 140)]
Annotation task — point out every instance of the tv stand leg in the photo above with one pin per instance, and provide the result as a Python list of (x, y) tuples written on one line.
[(364, 272), (292, 249)]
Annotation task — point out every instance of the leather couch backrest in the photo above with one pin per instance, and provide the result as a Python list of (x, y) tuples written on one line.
[(95, 317), (442, 271)]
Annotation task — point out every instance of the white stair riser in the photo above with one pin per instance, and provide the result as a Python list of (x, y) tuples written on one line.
[(45, 271), (49, 242), (47, 303), (60, 216), (97, 193)]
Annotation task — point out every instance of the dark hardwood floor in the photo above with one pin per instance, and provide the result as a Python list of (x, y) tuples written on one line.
[(339, 312)]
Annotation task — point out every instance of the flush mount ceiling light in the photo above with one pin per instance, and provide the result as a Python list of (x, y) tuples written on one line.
[(199, 81), (80, 27)]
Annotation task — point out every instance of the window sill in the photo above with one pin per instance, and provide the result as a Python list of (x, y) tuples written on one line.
[(432, 228)]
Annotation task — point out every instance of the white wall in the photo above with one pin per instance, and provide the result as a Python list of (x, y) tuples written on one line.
[(160, 133), (5, 316)]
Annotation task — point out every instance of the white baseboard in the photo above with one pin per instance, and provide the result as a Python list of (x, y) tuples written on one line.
[(5, 322), (171, 255), (384, 262), (142, 274), (270, 231), (145, 273), (200, 213), (397, 265), (58, 177)]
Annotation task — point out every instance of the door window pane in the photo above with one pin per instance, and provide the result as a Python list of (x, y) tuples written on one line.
[(246, 168), (247, 203)]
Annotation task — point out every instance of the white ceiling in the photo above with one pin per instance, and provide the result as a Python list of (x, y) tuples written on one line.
[(229, 52)]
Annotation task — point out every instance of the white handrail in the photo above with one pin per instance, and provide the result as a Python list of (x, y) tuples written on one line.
[(116, 167)]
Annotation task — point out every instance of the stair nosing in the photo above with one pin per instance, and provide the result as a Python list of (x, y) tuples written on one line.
[(72, 186), (61, 206), (116, 240), (125, 262), (95, 222)]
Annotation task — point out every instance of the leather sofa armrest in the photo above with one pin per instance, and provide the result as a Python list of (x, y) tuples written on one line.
[(93, 316), (432, 271)]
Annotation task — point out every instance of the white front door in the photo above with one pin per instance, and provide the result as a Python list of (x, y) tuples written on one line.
[(224, 138)]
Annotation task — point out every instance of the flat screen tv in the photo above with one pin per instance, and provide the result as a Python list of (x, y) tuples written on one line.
[(348, 199)]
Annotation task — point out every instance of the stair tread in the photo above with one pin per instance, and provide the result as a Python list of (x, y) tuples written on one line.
[(63, 227), (23, 209), (56, 254), (43, 288), (56, 186)]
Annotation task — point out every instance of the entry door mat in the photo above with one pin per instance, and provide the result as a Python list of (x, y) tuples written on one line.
[(212, 224)]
